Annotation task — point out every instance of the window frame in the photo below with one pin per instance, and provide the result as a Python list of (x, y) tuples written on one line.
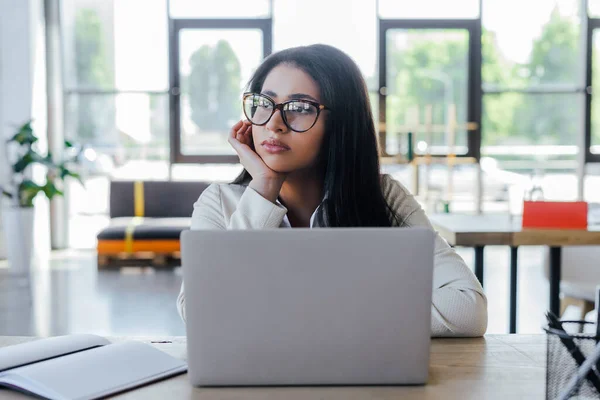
[(474, 91), (175, 26)]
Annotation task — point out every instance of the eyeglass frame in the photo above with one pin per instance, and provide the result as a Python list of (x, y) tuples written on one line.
[(279, 106)]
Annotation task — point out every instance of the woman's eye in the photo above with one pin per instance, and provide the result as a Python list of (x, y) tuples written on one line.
[(301, 108), (265, 104)]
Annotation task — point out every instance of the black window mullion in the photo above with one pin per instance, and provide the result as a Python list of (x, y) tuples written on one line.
[(592, 25), (475, 96)]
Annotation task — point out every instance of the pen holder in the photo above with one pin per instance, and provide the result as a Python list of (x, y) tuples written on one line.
[(561, 360)]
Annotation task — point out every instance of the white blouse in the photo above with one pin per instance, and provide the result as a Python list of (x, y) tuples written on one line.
[(459, 306)]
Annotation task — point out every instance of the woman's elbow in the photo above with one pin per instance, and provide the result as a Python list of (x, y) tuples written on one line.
[(475, 324), (459, 313)]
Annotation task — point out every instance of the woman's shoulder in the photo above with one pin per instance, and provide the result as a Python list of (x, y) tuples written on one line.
[(223, 191), (392, 187), (399, 198)]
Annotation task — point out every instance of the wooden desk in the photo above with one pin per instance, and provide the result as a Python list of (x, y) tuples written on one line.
[(479, 231), (493, 367)]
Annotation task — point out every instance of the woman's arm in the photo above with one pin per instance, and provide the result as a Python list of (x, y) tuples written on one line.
[(252, 212), (459, 306)]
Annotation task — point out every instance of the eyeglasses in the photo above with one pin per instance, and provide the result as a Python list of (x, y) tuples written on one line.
[(298, 115)]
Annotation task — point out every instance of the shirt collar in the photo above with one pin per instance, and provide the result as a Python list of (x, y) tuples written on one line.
[(313, 222)]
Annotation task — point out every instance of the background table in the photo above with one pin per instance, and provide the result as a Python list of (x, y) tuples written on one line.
[(479, 231), (493, 367)]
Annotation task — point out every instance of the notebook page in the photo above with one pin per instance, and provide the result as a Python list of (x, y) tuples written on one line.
[(97, 372), (42, 349), (24, 385)]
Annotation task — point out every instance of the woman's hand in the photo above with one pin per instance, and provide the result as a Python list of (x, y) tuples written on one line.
[(264, 180)]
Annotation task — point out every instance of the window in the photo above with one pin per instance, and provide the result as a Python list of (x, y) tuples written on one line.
[(533, 81), (427, 77), (524, 129), (214, 66), (95, 60), (538, 46), (116, 101)]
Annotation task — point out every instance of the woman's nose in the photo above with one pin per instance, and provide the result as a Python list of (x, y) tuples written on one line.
[(276, 123)]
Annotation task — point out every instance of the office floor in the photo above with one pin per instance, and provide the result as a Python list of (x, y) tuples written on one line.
[(69, 295)]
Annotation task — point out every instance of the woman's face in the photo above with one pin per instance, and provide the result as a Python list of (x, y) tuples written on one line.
[(282, 149)]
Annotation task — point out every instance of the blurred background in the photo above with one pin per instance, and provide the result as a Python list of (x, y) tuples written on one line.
[(495, 97)]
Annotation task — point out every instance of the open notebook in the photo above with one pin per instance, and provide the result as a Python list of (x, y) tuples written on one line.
[(83, 366)]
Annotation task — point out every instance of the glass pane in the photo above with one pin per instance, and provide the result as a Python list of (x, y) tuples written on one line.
[(427, 77), (594, 8), (538, 45), (123, 126), (524, 130), (215, 66), (107, 45), (141, 46), (291, 21), (220, 9), (429, 9), (125, 136), (596, 92)]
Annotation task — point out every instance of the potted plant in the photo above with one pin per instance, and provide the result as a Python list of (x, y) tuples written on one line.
[(17, 208)]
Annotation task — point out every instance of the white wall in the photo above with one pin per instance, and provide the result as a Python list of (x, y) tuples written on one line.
[(22, 81)]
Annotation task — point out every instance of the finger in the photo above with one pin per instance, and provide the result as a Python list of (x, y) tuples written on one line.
[(242, 128), (236, 128), (236, 141), (245, 131), (247, 136), (235, 144), (242, 131), (238, 125), (233, 137), (245, 154), (240, 137), (232, 133)]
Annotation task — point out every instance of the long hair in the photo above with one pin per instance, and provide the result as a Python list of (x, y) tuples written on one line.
[(348, 159)]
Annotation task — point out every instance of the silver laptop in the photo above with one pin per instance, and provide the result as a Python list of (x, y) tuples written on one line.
[(308, 306)]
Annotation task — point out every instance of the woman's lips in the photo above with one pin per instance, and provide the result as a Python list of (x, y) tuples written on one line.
[(272, 146)]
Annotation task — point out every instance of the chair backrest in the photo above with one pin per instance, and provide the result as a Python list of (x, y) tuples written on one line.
[(154, 198), (578, 264)]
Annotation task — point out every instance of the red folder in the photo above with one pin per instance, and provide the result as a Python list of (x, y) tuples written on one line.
[(555, 214)]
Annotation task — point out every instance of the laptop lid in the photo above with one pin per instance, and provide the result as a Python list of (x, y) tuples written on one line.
[(308, 306)]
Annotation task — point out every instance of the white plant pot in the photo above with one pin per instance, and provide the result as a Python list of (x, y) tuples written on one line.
[(17, 224)]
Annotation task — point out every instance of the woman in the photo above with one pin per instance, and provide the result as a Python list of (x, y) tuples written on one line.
[(310, 158)]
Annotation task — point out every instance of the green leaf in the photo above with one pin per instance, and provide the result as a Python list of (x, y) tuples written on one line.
[(68, 144), (64, 172), (27, 192), (50, 190), (29, 158), (24, 135), (25, 161)]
